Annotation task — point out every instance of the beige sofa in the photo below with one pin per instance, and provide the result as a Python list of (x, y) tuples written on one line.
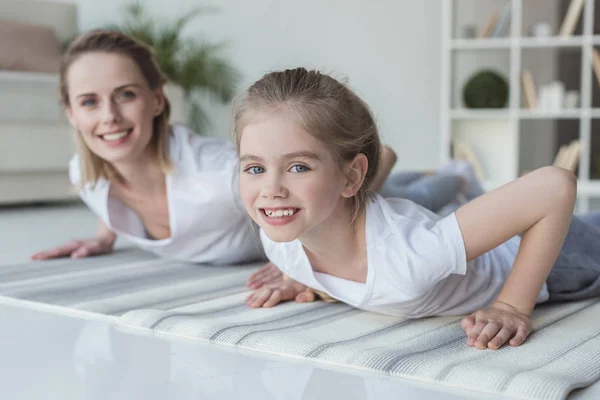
[(35, 138)]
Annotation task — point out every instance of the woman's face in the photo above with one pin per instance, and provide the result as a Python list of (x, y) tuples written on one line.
[(112, 106)]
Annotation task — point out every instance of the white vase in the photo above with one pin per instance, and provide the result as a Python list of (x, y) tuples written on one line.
[(179, 106)]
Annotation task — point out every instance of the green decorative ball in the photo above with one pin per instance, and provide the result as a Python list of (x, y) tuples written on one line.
[(486, 89)]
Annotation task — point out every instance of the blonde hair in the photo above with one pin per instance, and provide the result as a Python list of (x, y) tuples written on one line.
[(92, 166), (325, 108)]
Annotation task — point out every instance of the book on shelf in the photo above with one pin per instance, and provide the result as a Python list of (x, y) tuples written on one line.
[(596, 64), (487, 29), (502, 23), (529, 89), (571, 18), (497, 23)]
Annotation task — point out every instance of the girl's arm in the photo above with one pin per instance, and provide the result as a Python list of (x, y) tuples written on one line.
[(539, 205), (103, 243), (387, 159)]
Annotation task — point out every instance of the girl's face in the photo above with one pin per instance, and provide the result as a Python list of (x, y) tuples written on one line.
[(112, 106), (289, 182)]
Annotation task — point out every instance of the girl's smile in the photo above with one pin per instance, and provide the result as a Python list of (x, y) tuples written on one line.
[(279, 216)]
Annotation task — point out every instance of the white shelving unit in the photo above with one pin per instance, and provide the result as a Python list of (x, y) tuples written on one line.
[(501, 149)]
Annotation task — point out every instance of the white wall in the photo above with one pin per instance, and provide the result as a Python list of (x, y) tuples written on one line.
[(388, 50)]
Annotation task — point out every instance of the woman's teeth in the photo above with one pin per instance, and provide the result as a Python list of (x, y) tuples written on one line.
[(280, 213), (115, 136)]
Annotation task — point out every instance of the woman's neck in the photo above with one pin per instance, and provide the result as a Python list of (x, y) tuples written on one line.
[(338, 247), (142, 175)]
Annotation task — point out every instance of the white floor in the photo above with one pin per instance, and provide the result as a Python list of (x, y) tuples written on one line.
[(48, 353)]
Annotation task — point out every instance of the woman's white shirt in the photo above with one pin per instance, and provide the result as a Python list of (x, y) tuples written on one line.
[(207, 221)]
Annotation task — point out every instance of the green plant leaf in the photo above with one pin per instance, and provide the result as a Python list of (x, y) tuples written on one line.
[(195, 66)]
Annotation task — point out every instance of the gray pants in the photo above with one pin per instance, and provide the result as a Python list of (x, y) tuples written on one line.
[(576, 272), (433, 192)]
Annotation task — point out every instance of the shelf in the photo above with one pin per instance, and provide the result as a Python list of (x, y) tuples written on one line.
[(552, 41), (526, 42), (499, 43), (463, 113), (539, 114), (589, 187)]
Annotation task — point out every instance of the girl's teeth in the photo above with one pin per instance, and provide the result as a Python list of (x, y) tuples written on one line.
[(115, 136), (279, 213)]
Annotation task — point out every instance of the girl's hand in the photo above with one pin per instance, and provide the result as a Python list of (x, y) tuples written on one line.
[(77, 249), (269, 274), (495, 326), (272, 294)]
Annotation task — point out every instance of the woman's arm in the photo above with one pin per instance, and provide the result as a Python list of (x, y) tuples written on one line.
[(387, 159), (539, 205)]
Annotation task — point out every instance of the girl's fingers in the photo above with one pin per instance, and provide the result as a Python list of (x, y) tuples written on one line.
[(307, 296), (467, 323), (249, 298), (474, 333), (264, 275), (274, 299), (260, 297), (519, 337), (501, 338), (490, 330)]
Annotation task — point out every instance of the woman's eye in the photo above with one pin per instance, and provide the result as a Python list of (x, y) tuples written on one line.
[(299, 168), (127, 95), (88, 103), (254, 170)]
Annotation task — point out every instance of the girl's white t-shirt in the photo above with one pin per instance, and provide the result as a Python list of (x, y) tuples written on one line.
[(207, 220), (416, 265)]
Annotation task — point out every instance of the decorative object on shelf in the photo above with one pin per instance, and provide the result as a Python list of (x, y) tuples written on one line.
[(469, 32), (541, 29), (572, 99), (568, 156), (596, 64), (193, 65), (486, 89), (529, 90), (570, 21), (552, 96)]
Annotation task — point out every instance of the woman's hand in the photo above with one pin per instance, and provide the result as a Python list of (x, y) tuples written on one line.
[(495, 326), (77, 249)]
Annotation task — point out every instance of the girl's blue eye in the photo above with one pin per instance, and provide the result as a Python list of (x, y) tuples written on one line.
[(299, 168), (254, 170), (88, 103)]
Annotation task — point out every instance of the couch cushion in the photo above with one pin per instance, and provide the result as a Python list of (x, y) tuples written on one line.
[(28, 47)]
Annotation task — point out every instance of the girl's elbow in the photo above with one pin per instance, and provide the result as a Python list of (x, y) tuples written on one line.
[(563, 183)]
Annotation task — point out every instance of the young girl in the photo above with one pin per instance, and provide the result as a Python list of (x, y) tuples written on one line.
[(308, 150)]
